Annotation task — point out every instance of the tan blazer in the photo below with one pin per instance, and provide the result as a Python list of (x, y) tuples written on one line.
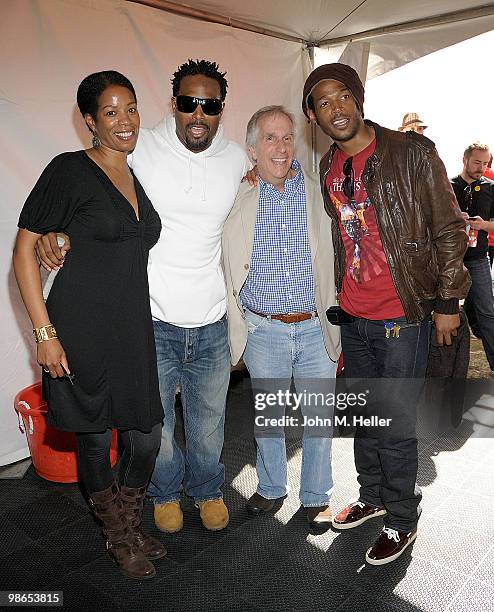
[(237, 242)]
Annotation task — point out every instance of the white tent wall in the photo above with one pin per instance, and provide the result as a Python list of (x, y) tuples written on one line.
[(48, 46)]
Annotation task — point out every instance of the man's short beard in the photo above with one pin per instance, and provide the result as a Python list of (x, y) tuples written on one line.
[(348, 137), (470, 175), (197, 145)]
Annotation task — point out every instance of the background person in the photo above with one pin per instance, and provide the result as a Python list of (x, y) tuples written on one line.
[(475, 195), (99, 366), (489, 173), (412, 123)]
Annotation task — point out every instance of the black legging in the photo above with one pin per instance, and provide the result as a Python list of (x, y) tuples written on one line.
[(136, 458)]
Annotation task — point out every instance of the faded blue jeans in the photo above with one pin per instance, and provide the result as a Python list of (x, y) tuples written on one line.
[(481, 298), (198, 361), (280, 351)]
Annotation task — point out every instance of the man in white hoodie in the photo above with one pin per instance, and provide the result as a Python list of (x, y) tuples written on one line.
[(192, 174)]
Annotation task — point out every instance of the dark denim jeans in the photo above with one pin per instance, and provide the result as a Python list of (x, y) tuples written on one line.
[(481, 298), (387, 461), (198, 360)]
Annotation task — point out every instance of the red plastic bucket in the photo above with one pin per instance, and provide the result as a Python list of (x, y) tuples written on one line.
[(53, 452)]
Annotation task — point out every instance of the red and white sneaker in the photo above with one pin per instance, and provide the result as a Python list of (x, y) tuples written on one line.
[(355, 514), (389, 546)]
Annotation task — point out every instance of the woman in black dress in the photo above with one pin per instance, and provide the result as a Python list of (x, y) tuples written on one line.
[(99, 366)]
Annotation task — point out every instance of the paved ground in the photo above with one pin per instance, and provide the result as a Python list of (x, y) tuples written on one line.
[(479, 366), (50, 541)]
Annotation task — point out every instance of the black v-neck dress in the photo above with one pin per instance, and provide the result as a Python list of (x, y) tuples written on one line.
[(99, 301)]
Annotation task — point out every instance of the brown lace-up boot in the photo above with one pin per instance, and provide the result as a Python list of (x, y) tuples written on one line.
[(133, 501), (108, 507)]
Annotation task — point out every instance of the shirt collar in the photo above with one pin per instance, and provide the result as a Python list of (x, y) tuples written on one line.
[(292, 185)]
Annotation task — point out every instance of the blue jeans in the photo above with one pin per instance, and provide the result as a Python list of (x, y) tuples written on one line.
[(198, 361), (481, 298), (387, 463), (277, 350)]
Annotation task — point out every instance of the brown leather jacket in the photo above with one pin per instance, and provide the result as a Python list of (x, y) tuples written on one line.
[(420, 224)]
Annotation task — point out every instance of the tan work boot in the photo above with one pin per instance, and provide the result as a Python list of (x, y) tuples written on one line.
[(214, 514), (168, 517)]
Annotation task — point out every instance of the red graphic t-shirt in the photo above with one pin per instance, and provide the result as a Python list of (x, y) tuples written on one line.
[(367, 290)]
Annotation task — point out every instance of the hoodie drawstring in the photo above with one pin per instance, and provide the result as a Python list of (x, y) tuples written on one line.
[(188, 188), (204, 176)]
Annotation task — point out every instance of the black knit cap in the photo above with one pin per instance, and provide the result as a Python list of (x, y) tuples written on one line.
[(337, 72)]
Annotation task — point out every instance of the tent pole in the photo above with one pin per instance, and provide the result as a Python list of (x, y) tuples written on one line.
[(186, 11), (313, 127)]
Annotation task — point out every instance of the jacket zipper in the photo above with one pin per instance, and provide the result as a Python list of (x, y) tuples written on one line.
[(392, 269)]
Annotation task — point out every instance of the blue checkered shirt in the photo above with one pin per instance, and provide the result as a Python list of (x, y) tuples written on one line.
[(280, 277)]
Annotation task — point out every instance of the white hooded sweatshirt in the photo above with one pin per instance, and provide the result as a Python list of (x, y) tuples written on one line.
[(193, 194)]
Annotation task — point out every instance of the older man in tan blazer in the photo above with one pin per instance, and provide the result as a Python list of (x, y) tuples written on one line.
[(278, 263)]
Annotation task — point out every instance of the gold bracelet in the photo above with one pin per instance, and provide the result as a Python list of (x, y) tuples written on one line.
[(42, 334)]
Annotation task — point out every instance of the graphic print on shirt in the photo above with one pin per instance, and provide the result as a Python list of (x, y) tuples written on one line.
[(358, 220), (365, 255), (352, 216), (367, 288)]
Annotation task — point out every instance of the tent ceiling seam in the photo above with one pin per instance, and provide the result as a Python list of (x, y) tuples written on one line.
[(407, 26), (187, 11), (446, 18), (342, 20)]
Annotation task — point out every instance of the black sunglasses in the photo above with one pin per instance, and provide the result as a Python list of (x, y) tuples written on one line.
[(188, 104), (349, 180)]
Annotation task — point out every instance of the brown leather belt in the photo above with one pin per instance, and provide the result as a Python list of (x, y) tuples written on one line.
[(292, 317)]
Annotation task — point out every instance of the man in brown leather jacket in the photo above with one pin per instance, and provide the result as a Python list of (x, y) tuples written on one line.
[(399, 241)]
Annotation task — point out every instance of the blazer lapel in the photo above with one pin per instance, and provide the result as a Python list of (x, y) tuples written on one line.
[(313, 215), (248, 213)]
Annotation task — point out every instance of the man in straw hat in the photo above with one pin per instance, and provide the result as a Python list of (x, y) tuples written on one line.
[(399, 240), (412, 123)]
